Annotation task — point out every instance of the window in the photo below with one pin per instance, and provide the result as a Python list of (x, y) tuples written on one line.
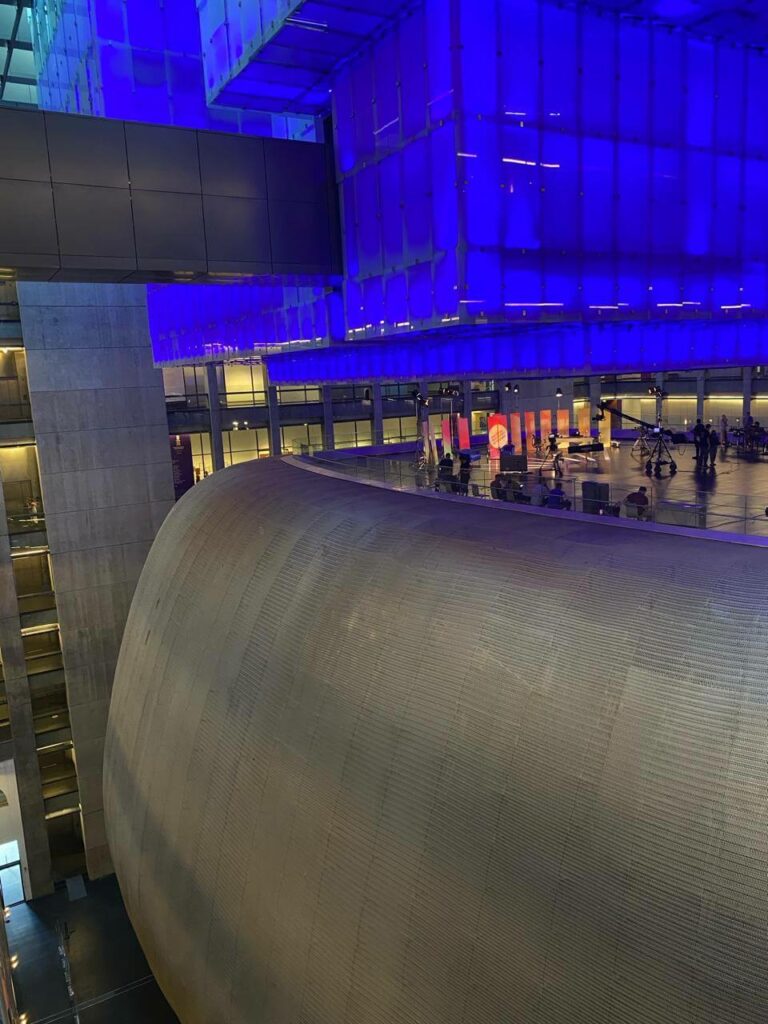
[(732, 407), (293, 439), (298, 395), (244, 445), (400, 428), (202, 463), (244, 384), (479, 423), (680, 413), (352, 434)]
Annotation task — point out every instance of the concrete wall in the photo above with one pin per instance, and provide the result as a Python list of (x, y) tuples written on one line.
[(377, 757), (102, 438)]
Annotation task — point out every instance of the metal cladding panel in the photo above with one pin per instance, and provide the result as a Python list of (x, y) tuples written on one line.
[(380, 757), (123, 200)]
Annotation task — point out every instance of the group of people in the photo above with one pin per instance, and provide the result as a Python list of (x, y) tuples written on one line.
[(509, 487), (459, 482), (706, 441)]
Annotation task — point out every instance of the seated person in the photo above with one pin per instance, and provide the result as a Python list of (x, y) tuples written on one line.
[(557, 498), (508, 448), (539, 493), (498, 487), (513, 488), (639, 500)]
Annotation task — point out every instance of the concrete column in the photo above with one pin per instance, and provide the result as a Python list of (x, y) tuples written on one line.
[(101, 429), (36, 857), (328, 435), (701, 379), (378, 414), (214, 407), (275, 440), (746, 392)]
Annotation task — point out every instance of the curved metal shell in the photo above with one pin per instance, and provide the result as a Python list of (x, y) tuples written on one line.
[(376, 758)]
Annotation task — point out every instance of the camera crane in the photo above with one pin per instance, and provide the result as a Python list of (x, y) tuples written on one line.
[(659, 454)]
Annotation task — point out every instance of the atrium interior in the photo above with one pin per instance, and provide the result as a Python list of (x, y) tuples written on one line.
[(384, 465)]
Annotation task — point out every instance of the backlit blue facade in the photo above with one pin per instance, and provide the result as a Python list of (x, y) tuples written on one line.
[(214, 321), (515, 160), (501, 164), (137, 61)]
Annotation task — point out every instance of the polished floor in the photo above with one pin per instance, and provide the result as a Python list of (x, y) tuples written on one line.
[(111, 980), (734, 492)]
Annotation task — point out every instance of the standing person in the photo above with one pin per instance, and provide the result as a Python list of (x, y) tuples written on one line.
[(702, 452), (714, 443), (698, 435), (724, 430), (445, 467), (465, 472)]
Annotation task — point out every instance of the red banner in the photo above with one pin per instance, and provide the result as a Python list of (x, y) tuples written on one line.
[(445, 430), (497, 433), (563, 422), (516, 432), (545, 419), (465, 442)]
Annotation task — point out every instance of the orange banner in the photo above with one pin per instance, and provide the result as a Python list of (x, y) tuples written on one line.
[(516, 433), (563, 422), (585, 427), (545, 419), (530, 430)]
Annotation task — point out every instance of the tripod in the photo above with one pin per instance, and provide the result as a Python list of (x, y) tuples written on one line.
[(659, 455), (421, 458), (641, 449)]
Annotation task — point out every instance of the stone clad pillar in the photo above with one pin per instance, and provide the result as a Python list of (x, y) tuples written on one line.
[(214, 408), (378, 414)]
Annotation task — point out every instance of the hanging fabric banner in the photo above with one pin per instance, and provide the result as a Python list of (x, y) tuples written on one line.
[(530, 430), (497, 433), (445, 430), (462, 424), (516, 432), (545, 419), (563, 422)]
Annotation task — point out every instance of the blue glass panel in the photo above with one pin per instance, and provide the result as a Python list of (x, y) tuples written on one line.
[(667, 89), (700, 94)]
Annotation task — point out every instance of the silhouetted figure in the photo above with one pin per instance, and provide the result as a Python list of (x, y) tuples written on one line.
[(714, 444), (639, 501), (698, 436), (557, 498), (539, 493), (465, 472)]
